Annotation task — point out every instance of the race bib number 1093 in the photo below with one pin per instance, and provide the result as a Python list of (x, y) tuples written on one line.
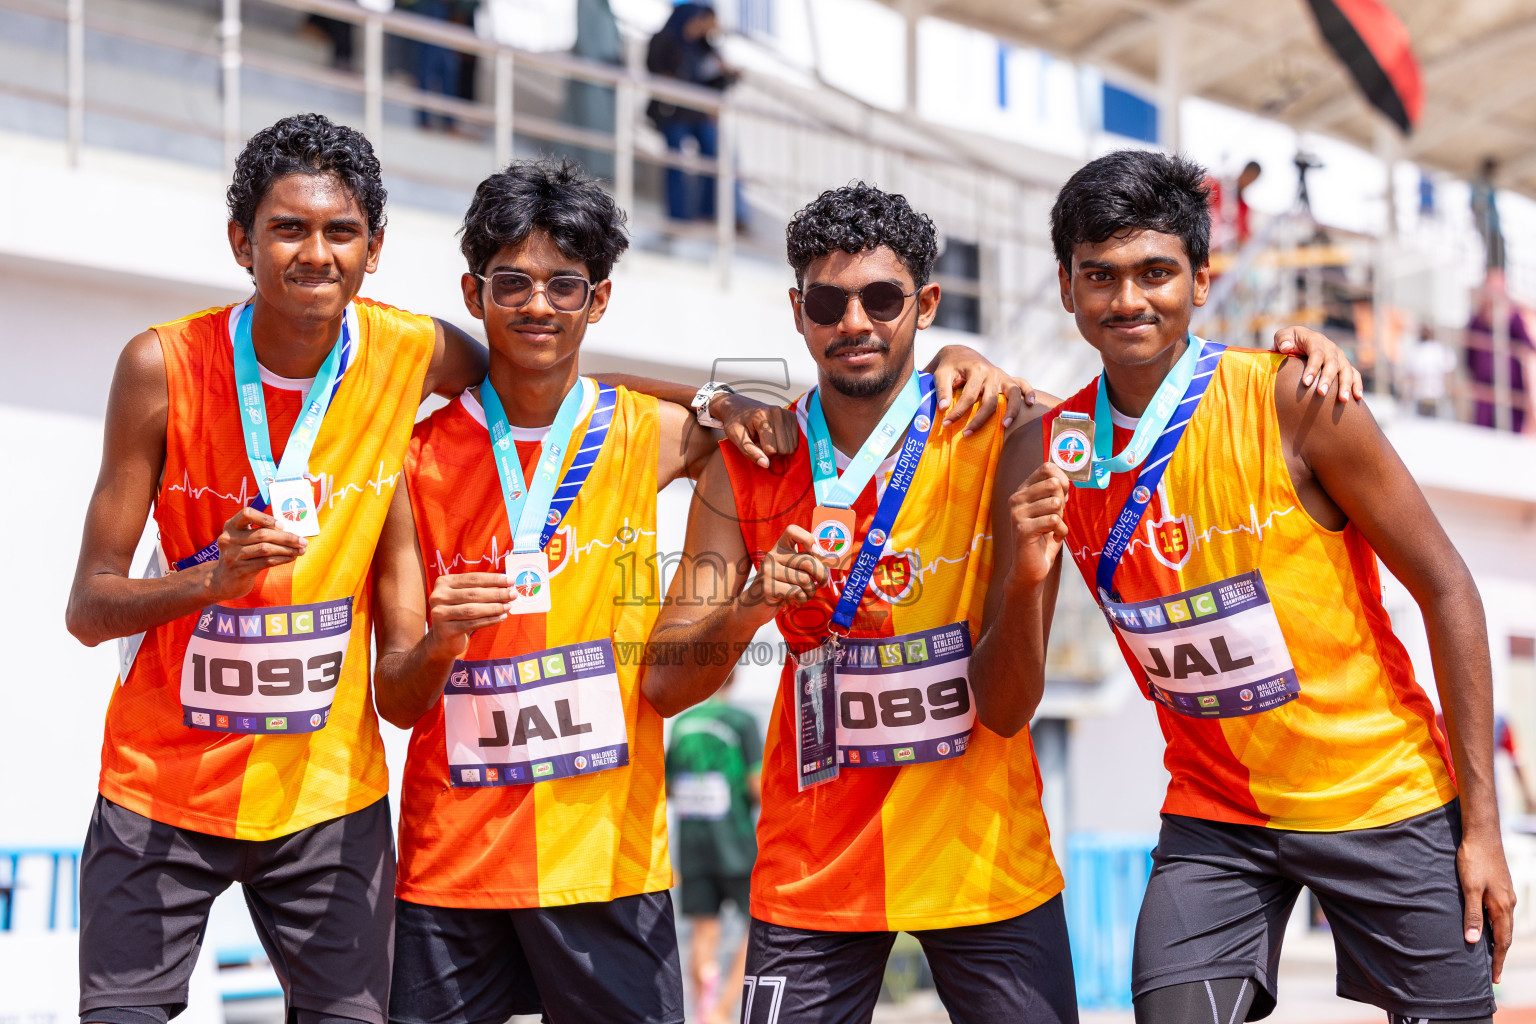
[(265, 670)]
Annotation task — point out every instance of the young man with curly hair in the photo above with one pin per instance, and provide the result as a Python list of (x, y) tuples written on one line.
[(1229, 520), (241, 744), (516, 585), (892, 798)]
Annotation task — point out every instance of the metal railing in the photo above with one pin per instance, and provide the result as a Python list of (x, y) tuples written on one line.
[(784, 142), (1484, 375)]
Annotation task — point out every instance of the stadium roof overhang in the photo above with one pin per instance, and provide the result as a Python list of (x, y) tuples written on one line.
[(1268, 58)]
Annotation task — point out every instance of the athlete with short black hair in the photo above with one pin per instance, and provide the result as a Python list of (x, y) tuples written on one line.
[(241, 744), (1229, 519), (516, 583)]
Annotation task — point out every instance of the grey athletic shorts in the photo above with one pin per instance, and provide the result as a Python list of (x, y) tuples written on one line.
[(614, 962), (322, 900), (1018, 969), (1220, 895)]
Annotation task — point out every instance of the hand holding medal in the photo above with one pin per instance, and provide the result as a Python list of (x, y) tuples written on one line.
[(791, 573)]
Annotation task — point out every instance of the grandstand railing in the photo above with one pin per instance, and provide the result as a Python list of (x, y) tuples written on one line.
[(782, 146)]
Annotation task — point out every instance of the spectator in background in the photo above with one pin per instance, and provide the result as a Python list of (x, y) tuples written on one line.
[(1251, 172), (1429, 365), (683, 50), (440, 69), (591, 104), (714, 766), (1480, 361), (1229, 214), (339, 34), (1485, 214)]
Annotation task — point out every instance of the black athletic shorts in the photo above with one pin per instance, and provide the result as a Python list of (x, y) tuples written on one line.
[(1017, 970), (703, 895), (1220, 896), (614, 962), (321, 900)]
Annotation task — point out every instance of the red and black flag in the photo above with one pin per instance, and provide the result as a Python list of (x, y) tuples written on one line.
[(1373, 44)]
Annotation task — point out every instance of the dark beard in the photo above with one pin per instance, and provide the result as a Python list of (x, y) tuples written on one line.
[(865, 387)]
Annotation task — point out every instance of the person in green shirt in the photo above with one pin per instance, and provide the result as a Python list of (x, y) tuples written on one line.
[(714, 765)]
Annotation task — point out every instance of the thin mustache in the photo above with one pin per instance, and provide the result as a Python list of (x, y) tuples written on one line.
[(1116, 321), (874, 343)]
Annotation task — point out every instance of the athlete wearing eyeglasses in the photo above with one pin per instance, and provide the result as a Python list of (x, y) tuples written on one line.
[(533, 849)]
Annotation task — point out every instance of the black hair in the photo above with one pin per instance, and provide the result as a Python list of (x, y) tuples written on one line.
[(578, 213), (1130, 190), (859, 217), (306, 144)]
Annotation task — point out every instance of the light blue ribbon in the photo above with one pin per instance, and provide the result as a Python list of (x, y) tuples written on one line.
[(253, 406), (1165, 404), (528, 504), (834, 491)]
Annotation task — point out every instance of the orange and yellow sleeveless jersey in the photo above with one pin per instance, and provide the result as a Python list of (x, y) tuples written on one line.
[(937, 845), (1357, 747), (265, 786), (583, 838)]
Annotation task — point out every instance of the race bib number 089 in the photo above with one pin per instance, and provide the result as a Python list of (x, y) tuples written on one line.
[(265, 670), (904, 699), (1211, 652)]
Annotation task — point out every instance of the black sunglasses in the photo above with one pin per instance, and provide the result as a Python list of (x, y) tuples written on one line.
[(826, 303), (512, 289)]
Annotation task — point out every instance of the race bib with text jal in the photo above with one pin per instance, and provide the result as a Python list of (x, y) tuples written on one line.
[(540, 716), (1210, 652)]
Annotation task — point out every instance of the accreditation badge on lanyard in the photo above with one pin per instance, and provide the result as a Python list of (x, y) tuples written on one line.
[(271, 670), (816, 697), (535, 507)]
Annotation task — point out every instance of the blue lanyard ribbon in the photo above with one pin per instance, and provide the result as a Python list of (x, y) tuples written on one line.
[(842, 491), (896, 490), (253, 415), (1165, 405), (535, 509), (1167, 440)]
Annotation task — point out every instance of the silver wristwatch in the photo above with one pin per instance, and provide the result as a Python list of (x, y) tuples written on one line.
[(703, 397)]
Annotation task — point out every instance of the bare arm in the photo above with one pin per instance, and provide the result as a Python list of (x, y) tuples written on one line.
[(1345, 470), (758, 430), (710, 601), (414, 662), (104, 602), (1008, 664), (458, 362)]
